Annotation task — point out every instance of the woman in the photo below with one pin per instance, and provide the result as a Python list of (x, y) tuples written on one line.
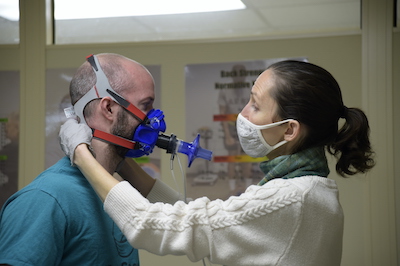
[(293, 216)]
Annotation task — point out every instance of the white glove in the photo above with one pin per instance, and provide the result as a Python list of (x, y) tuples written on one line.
[(72, 134)]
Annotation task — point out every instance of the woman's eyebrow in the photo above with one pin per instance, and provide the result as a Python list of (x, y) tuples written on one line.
[(254, 95)]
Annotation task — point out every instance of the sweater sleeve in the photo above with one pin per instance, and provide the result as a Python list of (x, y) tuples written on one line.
[(228, 232), (161, 192)]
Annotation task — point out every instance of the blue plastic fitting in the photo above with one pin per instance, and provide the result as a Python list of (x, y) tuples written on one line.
[(193, 150)]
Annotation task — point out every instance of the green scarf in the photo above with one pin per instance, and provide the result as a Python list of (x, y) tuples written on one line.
[(307, 162)]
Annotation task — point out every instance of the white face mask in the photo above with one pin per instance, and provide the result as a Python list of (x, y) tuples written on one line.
[(251, 138)]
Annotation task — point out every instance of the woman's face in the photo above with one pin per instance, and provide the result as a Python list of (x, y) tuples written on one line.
[(261, 108)]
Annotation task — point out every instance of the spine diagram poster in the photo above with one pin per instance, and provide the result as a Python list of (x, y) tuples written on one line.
[(215, 95)]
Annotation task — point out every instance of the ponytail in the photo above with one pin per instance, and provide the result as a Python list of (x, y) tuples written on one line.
[(311, 95), (352, 147)]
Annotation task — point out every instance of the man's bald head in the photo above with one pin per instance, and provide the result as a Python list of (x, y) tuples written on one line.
[(123, 74)]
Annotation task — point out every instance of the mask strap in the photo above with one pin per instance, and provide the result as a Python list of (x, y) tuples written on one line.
[(114, 139), (277, 145), (100, 90), (272, 124), (103, 89)]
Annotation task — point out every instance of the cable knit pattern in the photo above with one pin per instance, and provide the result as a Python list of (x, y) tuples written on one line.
[(284, 222), (236, 213), (241, 215)]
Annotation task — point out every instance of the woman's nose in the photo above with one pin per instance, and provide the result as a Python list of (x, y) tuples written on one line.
[(244, 111)]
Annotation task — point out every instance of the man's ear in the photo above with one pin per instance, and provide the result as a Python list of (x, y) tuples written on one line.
[(293, 130), (108, 108)]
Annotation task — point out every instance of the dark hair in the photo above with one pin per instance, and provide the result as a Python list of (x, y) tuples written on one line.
[(310, 94)]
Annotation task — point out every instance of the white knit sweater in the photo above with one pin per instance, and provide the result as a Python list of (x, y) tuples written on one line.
[(295, 221)]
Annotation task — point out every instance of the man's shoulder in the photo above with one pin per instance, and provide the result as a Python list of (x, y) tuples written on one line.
[(59, 176), (61, 182)]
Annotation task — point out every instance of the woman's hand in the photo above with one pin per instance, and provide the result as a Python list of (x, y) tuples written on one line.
[(72, 134)]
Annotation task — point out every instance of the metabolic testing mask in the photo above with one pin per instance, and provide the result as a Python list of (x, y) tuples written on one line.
[(251, 138), (150, 125), (147, 134)]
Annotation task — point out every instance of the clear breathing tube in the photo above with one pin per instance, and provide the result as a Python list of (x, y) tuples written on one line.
[(172, 145)]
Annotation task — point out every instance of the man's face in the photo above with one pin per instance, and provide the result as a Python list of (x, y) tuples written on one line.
[(124, 128), (142, 96)]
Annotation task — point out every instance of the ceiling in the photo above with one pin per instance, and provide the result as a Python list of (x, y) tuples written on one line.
[(261, 18)]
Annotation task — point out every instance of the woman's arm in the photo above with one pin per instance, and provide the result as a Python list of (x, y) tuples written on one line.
[(72, 134), (101, 181), (136, 176), (153, 189)]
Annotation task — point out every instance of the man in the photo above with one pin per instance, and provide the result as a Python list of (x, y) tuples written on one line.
[(58, 219)]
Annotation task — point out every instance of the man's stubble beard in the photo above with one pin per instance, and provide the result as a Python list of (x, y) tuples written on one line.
[(124, 129)]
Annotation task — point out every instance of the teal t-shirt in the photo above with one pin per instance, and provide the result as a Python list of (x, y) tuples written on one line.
[(58, 219)]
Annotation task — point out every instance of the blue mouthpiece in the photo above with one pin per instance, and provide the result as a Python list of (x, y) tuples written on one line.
[(193, 150)]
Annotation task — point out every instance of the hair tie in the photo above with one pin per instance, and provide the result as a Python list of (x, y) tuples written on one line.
[(344, 112)]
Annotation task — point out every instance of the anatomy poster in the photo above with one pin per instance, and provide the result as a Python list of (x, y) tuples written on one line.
[(9, 133), (57, 99), (215, 95)]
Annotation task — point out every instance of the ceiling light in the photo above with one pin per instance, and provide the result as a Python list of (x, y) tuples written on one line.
[(9, 9), (78, 9)]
